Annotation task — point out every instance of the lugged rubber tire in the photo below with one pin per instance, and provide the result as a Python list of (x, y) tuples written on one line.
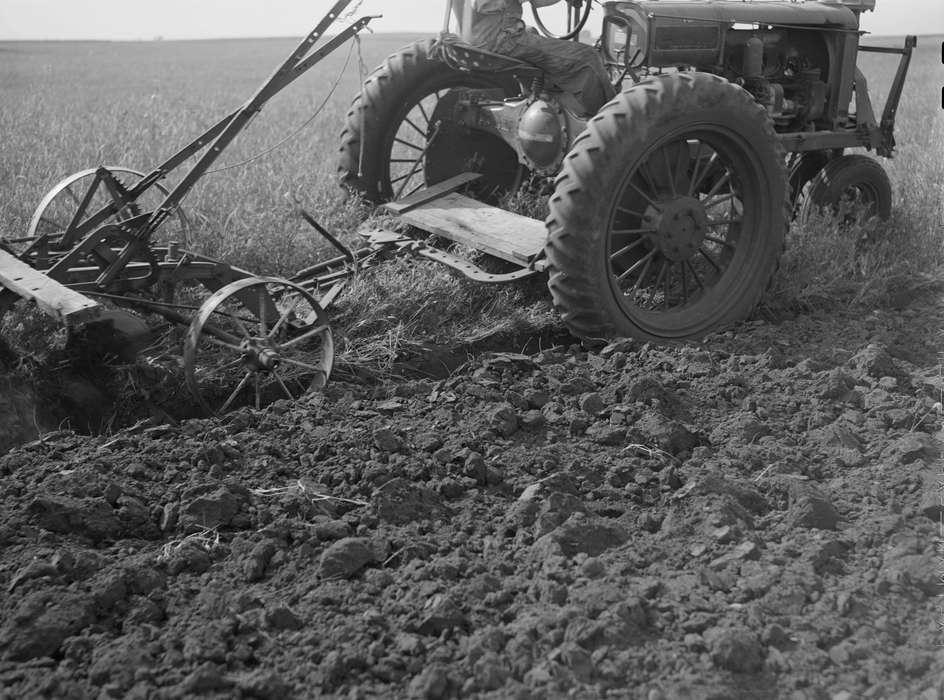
[(376, 113), (848, 173), (666, 110)]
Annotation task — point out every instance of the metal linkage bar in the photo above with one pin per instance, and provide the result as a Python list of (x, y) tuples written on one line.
[(894, 94), (212, 142)]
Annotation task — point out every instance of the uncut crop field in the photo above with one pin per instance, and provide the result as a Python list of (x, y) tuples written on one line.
[(66, 106)]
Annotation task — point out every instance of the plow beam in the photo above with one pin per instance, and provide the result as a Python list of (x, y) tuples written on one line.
[(52, 297)]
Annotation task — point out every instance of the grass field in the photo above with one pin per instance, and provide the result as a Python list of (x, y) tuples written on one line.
[(70, 106)]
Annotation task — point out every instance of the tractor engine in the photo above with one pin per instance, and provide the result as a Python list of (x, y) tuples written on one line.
[(781, 69), (783, 53)]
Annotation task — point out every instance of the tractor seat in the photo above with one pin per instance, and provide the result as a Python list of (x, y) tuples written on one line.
[(458, 55)]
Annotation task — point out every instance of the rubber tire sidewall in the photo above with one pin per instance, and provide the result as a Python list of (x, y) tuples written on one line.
[(621, 134)]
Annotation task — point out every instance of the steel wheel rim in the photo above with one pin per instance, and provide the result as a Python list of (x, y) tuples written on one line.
[(54, 212), (662, 272), (236, 357)]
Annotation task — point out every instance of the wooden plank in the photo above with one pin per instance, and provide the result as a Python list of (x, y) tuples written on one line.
[(430, 193), (52, 297), (492, 230)]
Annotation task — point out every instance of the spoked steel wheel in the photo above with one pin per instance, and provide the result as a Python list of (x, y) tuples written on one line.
[(255, 341), (71, 196), (399, 137), (668, 217)]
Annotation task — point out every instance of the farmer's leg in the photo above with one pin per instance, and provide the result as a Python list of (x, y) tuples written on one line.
[(573, 67)]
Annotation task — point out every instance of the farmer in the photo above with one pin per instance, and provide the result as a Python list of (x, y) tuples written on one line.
[(573, 67)]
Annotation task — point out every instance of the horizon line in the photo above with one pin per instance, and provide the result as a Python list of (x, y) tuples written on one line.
[(159, 38)]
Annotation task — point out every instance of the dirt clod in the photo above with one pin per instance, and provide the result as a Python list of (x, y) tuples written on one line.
[(754, 516)]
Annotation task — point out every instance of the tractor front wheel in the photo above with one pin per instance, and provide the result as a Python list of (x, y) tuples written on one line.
[(396, 142), (669, 215), (850, 187)]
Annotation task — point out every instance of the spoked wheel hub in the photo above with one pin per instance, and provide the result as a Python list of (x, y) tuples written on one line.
[(681, 227), (258, 357)]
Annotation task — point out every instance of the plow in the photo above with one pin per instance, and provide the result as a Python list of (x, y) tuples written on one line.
[(668, 207)]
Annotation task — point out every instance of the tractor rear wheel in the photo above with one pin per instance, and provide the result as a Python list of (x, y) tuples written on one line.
[(393, 142), (669, 215), (850, 187)]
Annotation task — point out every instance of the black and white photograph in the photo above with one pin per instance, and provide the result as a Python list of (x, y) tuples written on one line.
[(487, 349)]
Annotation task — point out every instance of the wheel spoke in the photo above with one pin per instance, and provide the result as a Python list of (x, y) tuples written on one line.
[(423, 111), (696, 181), (646, 175), (72, 194), (224, 338), (222, 343), (720, 241), (409, 144), (631, 212), (218, 372), (635, 266), (668, 169), (723, 222), (263, 311), (236, 391), (629, 231), (643, 275), (414, 190), (682, 163), (718, 185), (405, 177), (627, 248), (278, 378), (239, 322), (418, 130), (695, 275), (720, 199), (665, 286), (47, 220), (650, 200), (303, 365), (307, 335), (710, 260), (684, 282), (655, 286), (278, 324)]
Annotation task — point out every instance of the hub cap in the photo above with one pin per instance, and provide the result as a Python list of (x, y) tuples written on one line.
[(681, 228)]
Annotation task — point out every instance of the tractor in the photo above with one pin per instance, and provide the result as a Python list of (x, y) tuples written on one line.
[(669, 207)]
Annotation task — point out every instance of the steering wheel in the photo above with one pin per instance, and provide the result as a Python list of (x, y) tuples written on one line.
[(578, 12)]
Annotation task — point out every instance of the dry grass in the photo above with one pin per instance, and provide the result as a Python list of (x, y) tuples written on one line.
[(70, 106), (877, 263), (408, 308)]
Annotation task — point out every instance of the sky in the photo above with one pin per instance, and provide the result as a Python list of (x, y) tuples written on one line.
[(190, 19)]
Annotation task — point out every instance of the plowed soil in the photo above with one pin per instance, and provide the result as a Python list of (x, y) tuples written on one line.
[(755, 516)]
